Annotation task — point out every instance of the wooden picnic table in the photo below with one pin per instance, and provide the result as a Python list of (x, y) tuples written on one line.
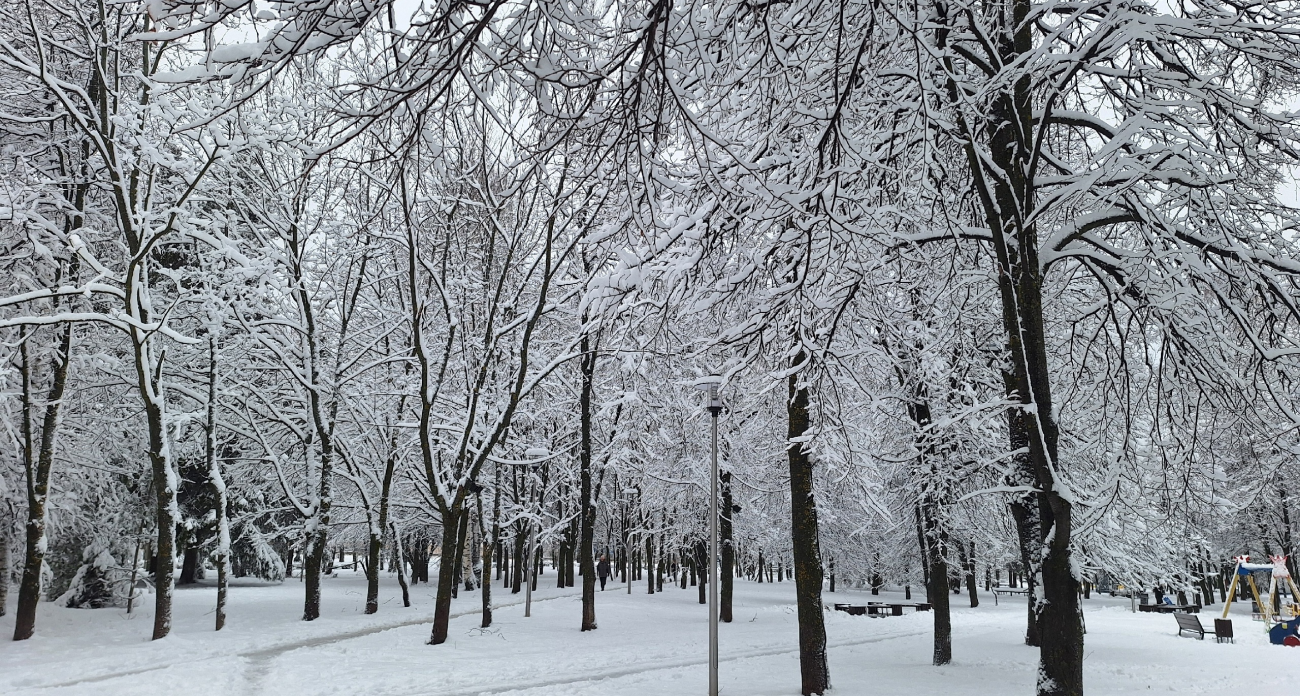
[(1169, 608), (879, 608)]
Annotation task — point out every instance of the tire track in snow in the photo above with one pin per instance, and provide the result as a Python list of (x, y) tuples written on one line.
[(262, 657), (655, 667)]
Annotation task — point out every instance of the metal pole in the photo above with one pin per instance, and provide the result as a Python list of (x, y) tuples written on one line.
[(713, 552)]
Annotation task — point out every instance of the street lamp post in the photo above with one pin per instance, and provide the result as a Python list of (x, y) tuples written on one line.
[(539, 455), (714, 407)]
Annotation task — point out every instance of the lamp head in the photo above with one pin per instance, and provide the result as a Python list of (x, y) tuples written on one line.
[(710, 385)]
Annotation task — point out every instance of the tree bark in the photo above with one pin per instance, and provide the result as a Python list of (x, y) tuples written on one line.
[(971, 582), (379, 529), (702, 568), (727, 573), (38, 476), (517, 579), (649, 562), (401, 565), (587, 509), (189, 566), (1024, 511), (813, 668), (937, 592), (165, 482), (1006, 189), (446, 573), (462, 532), (221, 556), (4, 567)]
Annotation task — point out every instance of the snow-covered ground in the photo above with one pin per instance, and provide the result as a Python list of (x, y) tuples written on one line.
[(646, 645)]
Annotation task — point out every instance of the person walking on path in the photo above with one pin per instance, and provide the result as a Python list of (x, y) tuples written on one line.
[(602, 571)]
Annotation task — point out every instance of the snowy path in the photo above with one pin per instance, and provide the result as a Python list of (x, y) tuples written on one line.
[(261, 658), (645, 646)]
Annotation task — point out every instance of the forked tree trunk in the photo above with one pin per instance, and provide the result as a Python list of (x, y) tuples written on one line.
[(377, 531), (38, 476), (813, 668), (1008, 196), (446, 573)]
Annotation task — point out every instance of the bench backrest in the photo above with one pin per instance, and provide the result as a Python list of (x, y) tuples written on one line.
[(1189, 621)]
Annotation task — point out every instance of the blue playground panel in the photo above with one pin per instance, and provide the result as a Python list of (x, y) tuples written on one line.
[(1285, 632)]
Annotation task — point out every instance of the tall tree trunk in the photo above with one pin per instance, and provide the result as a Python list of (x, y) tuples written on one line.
[(649, 562), (1006, 188), (586, 507), (1024, 511), (377, 531), (932, 532), (189, 563), (38, 475), (937, 591), (313, 563), (401, 565), (490, 546), (727, 573), (485, 587), (517, 581), (702, 569), (4, 568), (924, 547), (221, 557), (462, 533), (813, 668), (446, 572), (971, 583), (165, 482)]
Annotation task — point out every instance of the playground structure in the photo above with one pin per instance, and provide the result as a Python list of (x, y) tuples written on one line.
[(1284, 626)]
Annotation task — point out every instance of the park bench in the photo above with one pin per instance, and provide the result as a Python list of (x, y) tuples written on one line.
[(895, 608), (1192, 624), (852, 609), (999, 591)]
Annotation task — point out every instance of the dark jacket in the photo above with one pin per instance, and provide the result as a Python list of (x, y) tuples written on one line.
[(602, 568)]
